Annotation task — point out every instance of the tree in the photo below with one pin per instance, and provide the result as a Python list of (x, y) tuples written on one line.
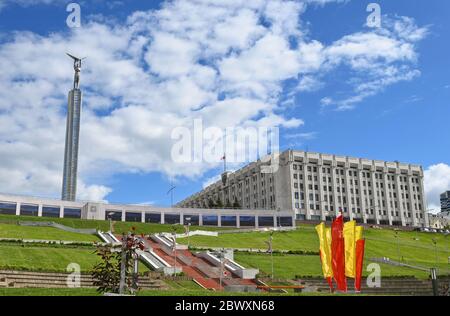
[(106, 273), (236, 204), (219, 203)]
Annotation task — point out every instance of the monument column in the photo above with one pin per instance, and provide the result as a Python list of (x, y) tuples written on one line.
[(69, 185)]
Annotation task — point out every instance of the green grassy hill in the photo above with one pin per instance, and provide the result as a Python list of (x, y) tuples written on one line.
[(411, 247), (43, 233), (119, 227)]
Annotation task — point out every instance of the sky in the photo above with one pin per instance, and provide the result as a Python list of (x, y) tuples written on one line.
[(317, 70)]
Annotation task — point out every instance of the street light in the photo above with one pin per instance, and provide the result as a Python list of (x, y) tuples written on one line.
[(109, 215), (448, 257), (174, 239), (434, 240), (277, 218), (188, 220), (271, 251), (398, 245), (221, 256)]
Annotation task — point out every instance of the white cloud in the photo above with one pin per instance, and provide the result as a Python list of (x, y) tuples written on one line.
[(437, 181), (160, 70), (376, 59)]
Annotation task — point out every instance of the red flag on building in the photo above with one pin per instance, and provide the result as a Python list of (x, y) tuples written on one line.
[(338, 253)]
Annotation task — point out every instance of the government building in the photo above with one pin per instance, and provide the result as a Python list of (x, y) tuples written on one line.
[(316, 187)]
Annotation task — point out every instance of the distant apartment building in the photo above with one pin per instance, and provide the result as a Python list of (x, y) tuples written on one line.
[(317, 186), (445, 202)]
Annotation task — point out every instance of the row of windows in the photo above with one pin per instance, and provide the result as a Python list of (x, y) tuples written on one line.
[(208, 220), (33, 210), (353, 182)]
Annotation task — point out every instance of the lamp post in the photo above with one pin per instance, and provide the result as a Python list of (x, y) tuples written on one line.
[(277, 218), (109, 215), (398, 245), (434, 240), (188, 220), (221, 256), (174, 238), (271, 251), (448, 257)]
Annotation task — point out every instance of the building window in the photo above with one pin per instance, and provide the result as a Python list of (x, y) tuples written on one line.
[(248, 221), (29, 210), (210, 220), (152, 218), (172, 219), (193, 219), (50, 211), (72, 213), (8, 208), (265, 221), (133, 217), (114, 215), (228, 220)]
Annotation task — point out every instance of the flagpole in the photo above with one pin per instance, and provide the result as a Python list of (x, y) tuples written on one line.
[(224, 163)]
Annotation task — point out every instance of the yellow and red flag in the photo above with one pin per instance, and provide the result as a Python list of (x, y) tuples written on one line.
[(325, 252), (350, 249), (359, 256), (342, 252), (338, 253)]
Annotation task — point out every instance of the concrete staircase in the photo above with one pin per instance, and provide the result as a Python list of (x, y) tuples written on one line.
[(403, 287), (22, 279), (199, 269)]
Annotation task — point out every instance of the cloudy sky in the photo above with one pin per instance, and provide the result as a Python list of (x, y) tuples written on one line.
[(312, 68)]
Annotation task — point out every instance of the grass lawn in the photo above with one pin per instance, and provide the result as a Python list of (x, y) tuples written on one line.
[(45, 258), (290, 266), (48, 259), (44, 233), (413, 248), (175, 292), (183, 285), (119, 227)]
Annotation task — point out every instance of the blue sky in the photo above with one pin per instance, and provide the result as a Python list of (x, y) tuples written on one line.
[(313, 68)]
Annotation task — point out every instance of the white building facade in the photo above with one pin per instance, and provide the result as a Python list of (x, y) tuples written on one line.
[(52, 208), (316, 186)]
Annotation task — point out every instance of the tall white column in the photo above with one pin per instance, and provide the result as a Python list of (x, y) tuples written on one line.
[(386, 194), (362, 196), (335, 180), (18, 208), (376, 205), (321, 191), (306, 184), (411, 200), (347, 190), (423, 202), (399, 196)]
